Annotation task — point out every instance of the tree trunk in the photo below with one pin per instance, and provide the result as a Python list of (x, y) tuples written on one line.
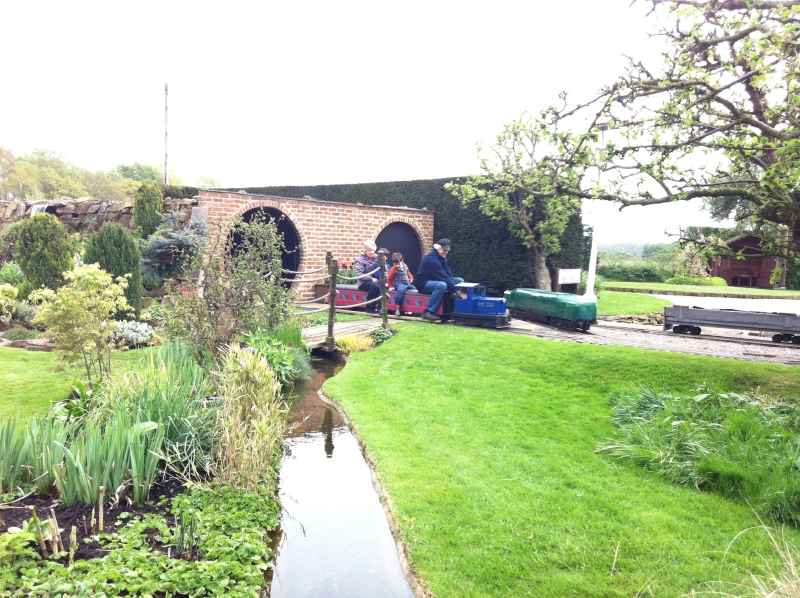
[(540, 271)]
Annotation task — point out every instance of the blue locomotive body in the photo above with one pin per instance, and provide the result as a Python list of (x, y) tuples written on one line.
[(474, 308)]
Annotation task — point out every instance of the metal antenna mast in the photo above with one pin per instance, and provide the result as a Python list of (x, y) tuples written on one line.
[(166, 168)]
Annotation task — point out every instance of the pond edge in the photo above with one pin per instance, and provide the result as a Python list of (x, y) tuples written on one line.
[(417, 586)]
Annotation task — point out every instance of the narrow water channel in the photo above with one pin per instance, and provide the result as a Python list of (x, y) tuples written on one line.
[(335, 539)]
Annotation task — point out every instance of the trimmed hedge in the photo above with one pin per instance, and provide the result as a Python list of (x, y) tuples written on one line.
[(632, 273), (702, 281), (483, 249), (44, 251)]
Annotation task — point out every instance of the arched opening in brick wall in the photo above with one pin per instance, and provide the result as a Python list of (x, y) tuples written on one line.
[(290, 260), (401, 237)]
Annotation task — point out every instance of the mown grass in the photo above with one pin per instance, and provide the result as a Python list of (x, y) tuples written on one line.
[(614, 303), (486, 444), (689, 289), (29, 384)]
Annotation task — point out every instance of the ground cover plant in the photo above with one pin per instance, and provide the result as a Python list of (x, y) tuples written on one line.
[(717, 290), (486, 443), (614, 303), (153, 424)]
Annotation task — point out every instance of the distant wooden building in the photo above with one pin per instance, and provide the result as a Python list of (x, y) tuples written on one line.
[(753, 271)]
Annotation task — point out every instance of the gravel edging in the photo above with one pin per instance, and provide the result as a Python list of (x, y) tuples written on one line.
[(417, 586)]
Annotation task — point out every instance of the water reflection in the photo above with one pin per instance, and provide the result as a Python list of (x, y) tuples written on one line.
[(335, 539)]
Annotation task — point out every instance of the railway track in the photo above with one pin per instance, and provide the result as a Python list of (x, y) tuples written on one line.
[(713, 337)]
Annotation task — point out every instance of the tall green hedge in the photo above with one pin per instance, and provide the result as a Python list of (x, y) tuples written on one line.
[(44, 251), (115, 249), (483, 249)]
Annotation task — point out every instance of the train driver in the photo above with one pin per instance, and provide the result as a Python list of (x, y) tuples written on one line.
[(435, 278)]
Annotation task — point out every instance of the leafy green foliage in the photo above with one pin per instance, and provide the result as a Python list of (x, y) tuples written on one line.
[(12, 274), (45, 175), (632, 273), (380, 335), (8, 295), (239, 290), (44, 251), (283, 348), (174, 245), (81, 314), (21, 334), (140, 172), (520, 181), (741, 446), (116, 251), (710, 281), (354, 344), (147, 208), (230, 538), (9, 236)]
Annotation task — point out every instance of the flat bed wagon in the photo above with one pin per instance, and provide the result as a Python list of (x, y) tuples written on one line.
[(784, 327)]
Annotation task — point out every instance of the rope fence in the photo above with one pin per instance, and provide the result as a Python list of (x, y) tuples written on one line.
[(378, 269)]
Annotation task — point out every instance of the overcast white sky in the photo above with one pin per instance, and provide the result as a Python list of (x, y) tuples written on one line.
[(305, 93)]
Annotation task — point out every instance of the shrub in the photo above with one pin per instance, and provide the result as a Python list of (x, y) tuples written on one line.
[(24, 313), (740, 446), (115, 250), (81, 314), (237, 292), (132, 333), (353, 344), (250, 423), (147, 208), (682, 280), (9, 237), (151, 281), (44, 251), (288, 360), (380, 335), (703, 281), (174, 245), (155, 314), (632, 273), (11, 273), (21, 334), (8, 294)]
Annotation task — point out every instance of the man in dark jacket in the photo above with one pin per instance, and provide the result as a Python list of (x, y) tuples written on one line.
[(435, 278)]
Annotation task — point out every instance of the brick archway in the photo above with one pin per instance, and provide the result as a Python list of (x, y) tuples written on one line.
[(321, 226)]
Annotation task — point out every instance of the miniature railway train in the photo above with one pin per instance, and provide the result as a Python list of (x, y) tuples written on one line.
[(472, 307), (785, 327)]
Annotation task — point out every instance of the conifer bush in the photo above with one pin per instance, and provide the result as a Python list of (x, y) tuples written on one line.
[(115, 249), (44, 251), (147, 208)]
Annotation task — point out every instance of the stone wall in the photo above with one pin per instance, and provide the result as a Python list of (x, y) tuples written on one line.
[(78, 214), (321, 225)]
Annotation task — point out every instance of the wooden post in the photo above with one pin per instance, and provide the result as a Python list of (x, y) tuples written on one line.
[(384, 297), (328, 258), (333, 272)]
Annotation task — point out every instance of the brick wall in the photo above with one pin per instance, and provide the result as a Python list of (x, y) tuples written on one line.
[(322, 226)]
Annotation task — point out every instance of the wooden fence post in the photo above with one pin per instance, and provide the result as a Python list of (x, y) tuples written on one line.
[(333, 272), (384, 297)]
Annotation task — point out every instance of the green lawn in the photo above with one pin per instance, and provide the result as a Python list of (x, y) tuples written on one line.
[(29, 384), (660, 286), (614, 303), (486, 443)]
